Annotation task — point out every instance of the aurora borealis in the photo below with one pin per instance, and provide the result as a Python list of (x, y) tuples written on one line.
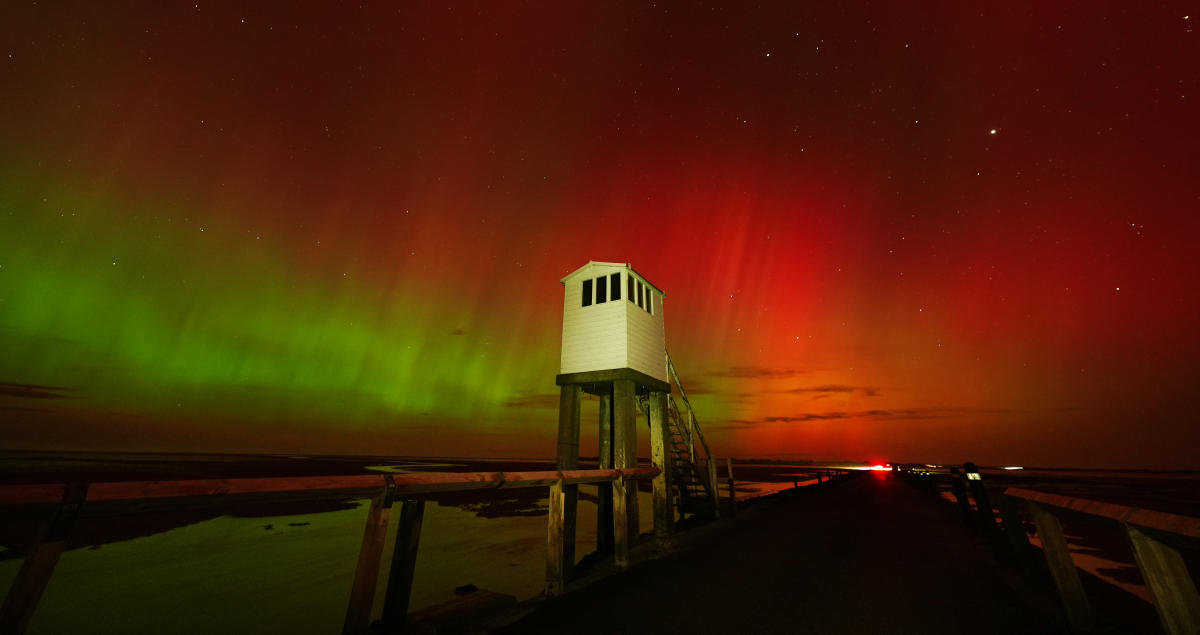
[(952, 232)]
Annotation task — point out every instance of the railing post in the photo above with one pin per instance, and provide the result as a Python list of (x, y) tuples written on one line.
[(404, 564), (366, 573), (691, 433), (712, 487), (621, 537), (556, 537), (960, 494), (35, 572), (984, 511), (1062, 568), (1166, 575), (1018, 540), (732, 489)]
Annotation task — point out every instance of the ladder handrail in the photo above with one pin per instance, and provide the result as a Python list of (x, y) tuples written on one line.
[(691, 412)]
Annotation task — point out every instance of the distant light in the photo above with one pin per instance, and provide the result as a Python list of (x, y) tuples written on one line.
[(880, 468), (1014, 467), (973, 476)]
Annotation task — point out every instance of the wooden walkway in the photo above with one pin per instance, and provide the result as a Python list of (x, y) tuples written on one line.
[(870, 554)]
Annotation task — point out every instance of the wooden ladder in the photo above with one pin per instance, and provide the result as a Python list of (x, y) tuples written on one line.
[(694, 495)]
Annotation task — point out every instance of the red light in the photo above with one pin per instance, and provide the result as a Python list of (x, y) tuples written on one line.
[(880, 468)]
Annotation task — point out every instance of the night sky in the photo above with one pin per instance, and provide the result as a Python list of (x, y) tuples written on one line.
[(938, 232)]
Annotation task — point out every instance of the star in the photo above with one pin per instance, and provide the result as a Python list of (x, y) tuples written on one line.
[(992, 131)]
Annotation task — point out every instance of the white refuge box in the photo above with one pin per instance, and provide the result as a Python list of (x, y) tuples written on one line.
[(612, 319)]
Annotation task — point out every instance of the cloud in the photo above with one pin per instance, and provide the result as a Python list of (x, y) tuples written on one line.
[(903, 414), (820, 392), (758, 372), (34, 391)]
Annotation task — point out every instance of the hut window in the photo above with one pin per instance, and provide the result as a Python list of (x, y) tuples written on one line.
[(640, 303), (650, 301), (601, 290), (631, 298), (615, 279), (587, 292)]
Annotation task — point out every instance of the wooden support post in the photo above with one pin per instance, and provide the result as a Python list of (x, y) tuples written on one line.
[(732, 488), (556, 578), (568, 459), (820, 477), (625, 450), (712, 489), (1166, 575), (366, 573), (35, 572), (404, 564), (604, 509), (621, 537), (1062, 568), (660, 440)]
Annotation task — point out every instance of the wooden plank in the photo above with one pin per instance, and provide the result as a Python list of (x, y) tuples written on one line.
[(556, 581), (625, 448), (34, 574), (1162, 521), (366, 572), (732, 488), (604, 510), (664, 512), (404, 564), (1062, 568), (621, 536), (1166, 575)]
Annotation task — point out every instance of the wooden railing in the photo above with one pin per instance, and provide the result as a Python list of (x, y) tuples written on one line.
[(1150, 534), (383, 489)]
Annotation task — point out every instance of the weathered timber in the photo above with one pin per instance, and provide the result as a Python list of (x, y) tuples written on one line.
[(664, 513), (556, 578), (568, 459), (621, 536), (26, 590), (960, 495), (1166, 575), (604, 510), (366, 572), (625, 449), (732, 487), (404, 563), (984, 511), (713, 494), (592, 380), (1018, 540), (1162, 521), (1062, 568)]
